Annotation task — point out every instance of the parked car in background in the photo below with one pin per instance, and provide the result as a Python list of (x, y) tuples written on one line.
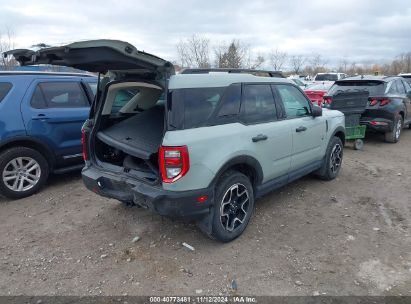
[(217, 142), (329, 76), (406, 76), (41, 115), (315, 92), (389, 106)]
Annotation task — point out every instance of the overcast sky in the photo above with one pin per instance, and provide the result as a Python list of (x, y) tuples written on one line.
[(357, 30)]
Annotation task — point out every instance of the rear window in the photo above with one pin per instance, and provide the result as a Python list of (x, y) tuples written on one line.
[(5, 88), (407, 79), (373, 87), (196, 104), (326, 77)]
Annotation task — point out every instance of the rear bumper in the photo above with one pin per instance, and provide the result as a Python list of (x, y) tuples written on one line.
[(378, 124), (176, 204)]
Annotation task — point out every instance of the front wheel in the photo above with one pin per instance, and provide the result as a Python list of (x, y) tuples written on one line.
[(333, 160), (23, 172), (233, 207)]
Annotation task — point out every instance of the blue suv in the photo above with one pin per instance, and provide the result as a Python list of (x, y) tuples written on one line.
[(41, 115)]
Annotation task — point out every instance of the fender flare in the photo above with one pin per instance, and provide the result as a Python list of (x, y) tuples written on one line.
[(241, 160), (339, 129), (32, 143)]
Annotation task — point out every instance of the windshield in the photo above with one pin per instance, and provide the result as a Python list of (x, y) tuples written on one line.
[(93, 87), (373, 87), (298, 82), (326, 77), (319, 87), (407, 78)]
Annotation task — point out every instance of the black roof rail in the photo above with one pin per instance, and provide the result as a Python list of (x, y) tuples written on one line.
[(265, 73), (4, 73)]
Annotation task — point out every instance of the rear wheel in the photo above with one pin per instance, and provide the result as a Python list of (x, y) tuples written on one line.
[(233, 207), (394, 135), (23, 172)]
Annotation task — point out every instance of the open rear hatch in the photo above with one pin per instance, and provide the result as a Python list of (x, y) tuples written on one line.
[(129, 127), (94, 56)]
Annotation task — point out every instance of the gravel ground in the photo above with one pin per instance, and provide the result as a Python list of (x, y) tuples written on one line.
[(350, 236)]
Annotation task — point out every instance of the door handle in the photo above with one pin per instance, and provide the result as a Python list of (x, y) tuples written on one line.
[(300, 129), (40, 117), (259, 137)]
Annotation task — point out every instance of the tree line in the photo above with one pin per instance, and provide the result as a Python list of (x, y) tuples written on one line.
[(199, 52)]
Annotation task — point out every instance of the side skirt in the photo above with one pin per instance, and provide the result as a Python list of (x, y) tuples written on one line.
[(283, 180)]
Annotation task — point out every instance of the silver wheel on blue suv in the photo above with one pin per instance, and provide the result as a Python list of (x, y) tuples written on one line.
[(23, 171)]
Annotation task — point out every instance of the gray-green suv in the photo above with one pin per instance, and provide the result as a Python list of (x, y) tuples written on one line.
[(199, 146)]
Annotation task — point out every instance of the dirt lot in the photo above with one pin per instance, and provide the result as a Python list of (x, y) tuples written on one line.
[(350, 236)]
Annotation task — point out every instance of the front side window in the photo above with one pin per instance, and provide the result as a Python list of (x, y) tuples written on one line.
[(295, 103), (59, 95), (258, 104), (5, 88)]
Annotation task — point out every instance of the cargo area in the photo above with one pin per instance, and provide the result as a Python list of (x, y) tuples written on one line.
[(131, 129)]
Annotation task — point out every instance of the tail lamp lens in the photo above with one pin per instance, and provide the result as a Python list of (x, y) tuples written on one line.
[(84, 144), (384, 101), (174, 163), (381, 101)]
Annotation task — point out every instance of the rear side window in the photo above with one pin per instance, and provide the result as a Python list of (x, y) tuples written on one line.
[(295, 103), (258, 104), (5, 88), (59, 95), (196, 105), (230, 103)]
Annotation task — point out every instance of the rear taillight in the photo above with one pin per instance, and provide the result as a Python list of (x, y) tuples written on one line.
[(381, 101), (84, 143), (384, 101), (174, 163), (373, 101), (327, 99)]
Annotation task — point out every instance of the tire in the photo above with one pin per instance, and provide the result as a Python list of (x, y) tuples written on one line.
[(394, 135), (358, 144), (23, 171), (333, 160), (230, 217)]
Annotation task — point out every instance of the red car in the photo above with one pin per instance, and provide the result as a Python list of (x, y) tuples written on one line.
[(315, 92)]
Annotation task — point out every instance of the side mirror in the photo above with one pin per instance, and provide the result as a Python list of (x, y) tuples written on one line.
[(317, 111)]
